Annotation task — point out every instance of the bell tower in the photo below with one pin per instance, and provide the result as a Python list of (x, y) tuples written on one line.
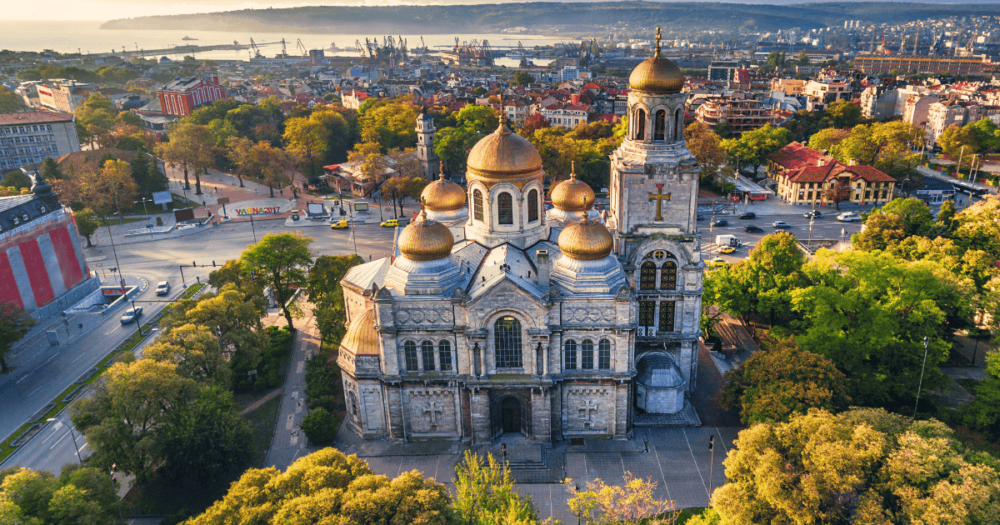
[(654, 204), (425, 144)]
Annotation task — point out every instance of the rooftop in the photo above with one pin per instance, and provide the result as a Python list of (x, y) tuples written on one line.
[(34, 117)]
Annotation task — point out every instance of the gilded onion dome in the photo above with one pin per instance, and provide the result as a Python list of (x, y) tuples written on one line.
[(572, 194), (361, 337), (656, 75), (504, 156), (586, 240), (425, 240), (443, 195)]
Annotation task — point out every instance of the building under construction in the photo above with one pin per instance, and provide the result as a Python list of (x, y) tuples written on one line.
[(905, 64), (473, 53)]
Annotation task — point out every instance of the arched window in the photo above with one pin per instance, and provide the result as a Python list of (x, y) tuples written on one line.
[(660, 125), (444, 355), (532, 205), (604, 354), (668, 276), (507, 340), (587, 355), (427, 353), (570, 355), (679, 124), (640, 125), (647, 276), (505, 208), (354, 404), (477, 205), (410, 351)]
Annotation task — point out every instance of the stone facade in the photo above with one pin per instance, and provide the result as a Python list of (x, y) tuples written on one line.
[(520, 329)]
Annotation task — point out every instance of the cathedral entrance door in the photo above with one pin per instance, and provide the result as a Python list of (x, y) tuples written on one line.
[(510, 410)]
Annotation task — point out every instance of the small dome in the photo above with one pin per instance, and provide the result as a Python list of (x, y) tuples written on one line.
[(586, 241), (656, 75), (361, 337), (443, 195), (425, 240), (504, 155), (573, 194)]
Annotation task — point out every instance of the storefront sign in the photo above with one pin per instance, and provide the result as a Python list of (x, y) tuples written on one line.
[(263, 210)]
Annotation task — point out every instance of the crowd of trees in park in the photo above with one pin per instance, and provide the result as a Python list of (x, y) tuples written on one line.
[(867, 327)]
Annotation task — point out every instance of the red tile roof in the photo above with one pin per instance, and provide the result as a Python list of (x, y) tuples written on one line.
[(796, 155), (868, 174), (804, 164)]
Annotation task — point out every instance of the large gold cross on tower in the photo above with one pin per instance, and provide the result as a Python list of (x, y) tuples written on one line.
[(659, 196)]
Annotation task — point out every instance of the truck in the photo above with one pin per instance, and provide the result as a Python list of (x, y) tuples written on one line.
[(728, 240)]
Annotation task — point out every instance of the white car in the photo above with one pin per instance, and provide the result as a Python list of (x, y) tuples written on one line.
[(781, 224), (163, 288), (849, 216)]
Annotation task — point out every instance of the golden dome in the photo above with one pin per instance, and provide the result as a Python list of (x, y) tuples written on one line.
[(504, 155), (443, 195), (572, 194), (656, 75), (586, 241), (361, 337), (425, 240)]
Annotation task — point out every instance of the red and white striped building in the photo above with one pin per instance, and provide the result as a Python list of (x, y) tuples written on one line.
[(181, 96), (42, 266)]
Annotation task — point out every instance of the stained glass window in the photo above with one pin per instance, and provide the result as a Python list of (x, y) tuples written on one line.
[(505, 208), (444, 355), (646, 311), (647, 276), (587, 355), (410, 350), (667, 316), (507, 337), (604, 354), (668, 276), (477, 205), (532, 205)]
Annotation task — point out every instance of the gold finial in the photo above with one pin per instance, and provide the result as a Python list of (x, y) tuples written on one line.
[(423, 208), (572, 175), (503, 119), (441, 178), (656, 54), (586, 216)]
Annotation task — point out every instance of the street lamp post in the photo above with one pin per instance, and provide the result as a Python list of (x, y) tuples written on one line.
[(921, 383), (118, 503), (73, 435), (138, 323), (711, 466), (144, 200)]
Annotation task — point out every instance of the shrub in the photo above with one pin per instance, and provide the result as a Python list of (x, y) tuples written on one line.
[(320, 426)]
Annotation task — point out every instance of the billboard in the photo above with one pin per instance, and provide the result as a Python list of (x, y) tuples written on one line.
[(162, 197)]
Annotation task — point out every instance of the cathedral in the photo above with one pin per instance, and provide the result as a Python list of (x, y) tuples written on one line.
[(497, 316)]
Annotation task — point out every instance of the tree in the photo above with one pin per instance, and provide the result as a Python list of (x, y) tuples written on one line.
[(131, 403), (16, 179), (394, 122), (869, 312), (329, 487), (195, 350), (50, 170), (843, 113), (452, 146), (882, 230), (111, 189), (239, 151), (272, 165), (630, 504), (398, 189), (86, 223), (803, 59), (705, 145), (146, 175), (234, 316), (837, 192), (9, 101), (280, 260), (946, 215), (306, 142), (319, 426), (886, 146), (829, 139), (523, 78), (206, 442), (326, 293), (916, 215), (754, 146), (191, 146), (960, 142), (861, 466), (95, 118), (485, 494), (15, 323), (533, 122), (79, 496), (782, 381), (368, 155)]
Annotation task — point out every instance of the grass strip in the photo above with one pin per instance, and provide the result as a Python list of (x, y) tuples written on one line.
[(126, 346)]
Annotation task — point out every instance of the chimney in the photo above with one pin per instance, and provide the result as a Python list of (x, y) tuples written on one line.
[(543, 268), (575, 99)]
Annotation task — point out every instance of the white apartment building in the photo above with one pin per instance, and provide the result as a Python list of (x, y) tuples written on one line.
[(30, 137), (567, 116), (819, 95)]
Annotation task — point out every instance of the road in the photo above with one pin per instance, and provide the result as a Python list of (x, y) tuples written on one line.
[(42, 372), (827, 227)]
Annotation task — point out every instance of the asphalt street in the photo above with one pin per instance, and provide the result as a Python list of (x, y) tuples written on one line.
[(825, 228)]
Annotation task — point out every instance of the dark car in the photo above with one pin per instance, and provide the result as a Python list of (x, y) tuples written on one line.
[(813, 214), (749, 215), (753, 229), (700, 218), (721, 222), (131, 315)]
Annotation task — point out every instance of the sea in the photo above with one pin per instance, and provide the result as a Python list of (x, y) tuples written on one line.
[(87, 37)]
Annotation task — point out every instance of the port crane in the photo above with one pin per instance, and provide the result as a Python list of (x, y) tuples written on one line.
[(301, 47), (256, 50)]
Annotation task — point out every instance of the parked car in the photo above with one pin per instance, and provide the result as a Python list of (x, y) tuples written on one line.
[(391, 223), (131, 315), (849, 216), (812, 214), (727, 249), (753, 229), (700, 218), (748, 215), (717, 262), (720, 222), (163, 288), (781, 224)]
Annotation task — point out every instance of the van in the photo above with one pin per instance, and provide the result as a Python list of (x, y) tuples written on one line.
[(849, 216), (728, 240)]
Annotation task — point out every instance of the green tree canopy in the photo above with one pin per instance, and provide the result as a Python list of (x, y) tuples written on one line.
[(280, 260), (753, 147), (485, 494)]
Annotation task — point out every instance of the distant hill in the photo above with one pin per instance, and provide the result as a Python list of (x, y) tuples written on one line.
[(566, 17)]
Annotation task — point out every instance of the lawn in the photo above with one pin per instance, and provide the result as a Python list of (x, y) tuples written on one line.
[(263, 421)]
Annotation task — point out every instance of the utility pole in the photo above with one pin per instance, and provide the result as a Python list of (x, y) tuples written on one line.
[(711, 465), (921, 383)]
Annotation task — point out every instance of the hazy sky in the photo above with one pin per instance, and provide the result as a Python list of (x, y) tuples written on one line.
[(111, 9)]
